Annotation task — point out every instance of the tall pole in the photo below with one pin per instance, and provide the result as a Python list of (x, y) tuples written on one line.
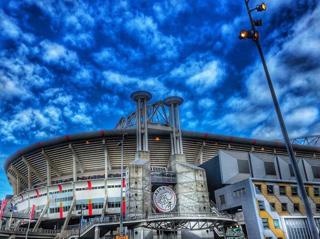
[(80, 223), (121, 172), (303, 194)]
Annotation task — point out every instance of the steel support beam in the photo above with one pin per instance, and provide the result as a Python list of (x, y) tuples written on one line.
[(44, 210), (19, 176), (53, 167), (13, 181), (75, 162), (67, 219), (106, 168), (33, 170)]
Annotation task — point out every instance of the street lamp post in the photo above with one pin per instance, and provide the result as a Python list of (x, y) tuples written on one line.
[(80, 223), (255, 37), (121, 178)]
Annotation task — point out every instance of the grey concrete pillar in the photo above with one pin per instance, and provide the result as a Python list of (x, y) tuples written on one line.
[(173, 103), (141, 98), (97, 233), (48, 174)]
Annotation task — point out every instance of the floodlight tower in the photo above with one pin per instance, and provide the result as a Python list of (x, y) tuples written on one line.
[(254, 35), (173, 102), (141, 98), (138, 185)]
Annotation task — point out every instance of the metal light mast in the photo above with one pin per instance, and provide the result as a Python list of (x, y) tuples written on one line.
[(254, 35)]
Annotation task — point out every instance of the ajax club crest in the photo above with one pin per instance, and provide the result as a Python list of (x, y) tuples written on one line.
[(164, 198)]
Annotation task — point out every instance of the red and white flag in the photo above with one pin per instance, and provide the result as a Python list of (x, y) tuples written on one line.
[(90, 200), (3, 206), (89, 185), (37, 192), (60, 188), (32, 212), (123, 198)]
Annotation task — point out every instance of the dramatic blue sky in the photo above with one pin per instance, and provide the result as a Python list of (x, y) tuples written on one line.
[(70, 66)]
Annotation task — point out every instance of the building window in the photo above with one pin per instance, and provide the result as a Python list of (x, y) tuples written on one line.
[(270, 189), (261, 205), (265, 223), (276, 223), (316, 171), (291, 170), (316, 192), (296, 207), (307, 190), (284, 207), (243, 166), (239, 192), (222, 200), (294, 191), (269, 168), (258, 188), (272, 206), (113, 204), (282, 190)]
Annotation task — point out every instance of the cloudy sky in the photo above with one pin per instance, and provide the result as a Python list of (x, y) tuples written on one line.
[(70, 66)]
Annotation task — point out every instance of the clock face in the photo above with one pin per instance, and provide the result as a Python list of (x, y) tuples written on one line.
[(164, 198)]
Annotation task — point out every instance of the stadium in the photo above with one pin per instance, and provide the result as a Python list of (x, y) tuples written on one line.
[(147, 178)]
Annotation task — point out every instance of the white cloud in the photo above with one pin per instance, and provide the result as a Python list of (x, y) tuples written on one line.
[(19, 76), (54, 53), (208, 77), (126, 83), (146, 30), (9, 28), (304, 116), (169, 9), (206, 103), (31, 122), (118, 79)]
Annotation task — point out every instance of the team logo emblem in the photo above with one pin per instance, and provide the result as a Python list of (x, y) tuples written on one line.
[(164, 198)]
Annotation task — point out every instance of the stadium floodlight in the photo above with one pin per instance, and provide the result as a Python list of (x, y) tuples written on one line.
[(243, 35), (261, 7)]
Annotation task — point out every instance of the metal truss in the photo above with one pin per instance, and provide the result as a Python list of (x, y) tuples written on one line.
[(175, 225), (157, 114), (312, 140)]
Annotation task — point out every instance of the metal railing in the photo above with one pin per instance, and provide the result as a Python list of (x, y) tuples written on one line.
[(24, 230)]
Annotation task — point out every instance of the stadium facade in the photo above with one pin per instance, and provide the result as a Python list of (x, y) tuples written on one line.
[(175, 184)]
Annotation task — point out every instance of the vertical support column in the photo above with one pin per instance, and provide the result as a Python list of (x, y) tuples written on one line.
[(48, 174), (106, 168), (141, 98), (138, 187), (173, 103), (18, 184), (74, 168), (106, 164), (74, 164), (145, 143), (179, 129), (29, 177), (97, 233)]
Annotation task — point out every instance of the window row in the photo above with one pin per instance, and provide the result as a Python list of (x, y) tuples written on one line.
[(57, 209), (86, 188), (284, 192), (284, 206), (40, 195), (63, 191), (270, 169), (63, 199), (86, 206)]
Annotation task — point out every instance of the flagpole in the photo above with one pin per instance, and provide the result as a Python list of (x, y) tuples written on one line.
[(28, 228)]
